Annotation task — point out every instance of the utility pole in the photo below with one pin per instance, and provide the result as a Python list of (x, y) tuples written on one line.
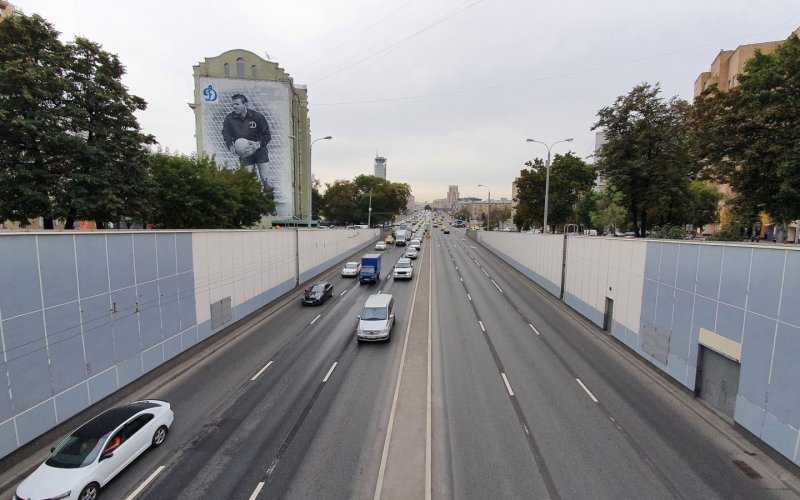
[(488, 212), (369, 212)]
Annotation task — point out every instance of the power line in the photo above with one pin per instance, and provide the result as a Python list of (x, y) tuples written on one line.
[(397, 43)]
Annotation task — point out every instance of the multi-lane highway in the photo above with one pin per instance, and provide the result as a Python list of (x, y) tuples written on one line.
[(488, 389)]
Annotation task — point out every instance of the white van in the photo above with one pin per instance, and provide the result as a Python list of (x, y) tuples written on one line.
[(376, 319)]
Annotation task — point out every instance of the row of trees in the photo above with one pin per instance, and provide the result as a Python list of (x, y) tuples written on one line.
[(661, 157), (71, 147), (347, 202)]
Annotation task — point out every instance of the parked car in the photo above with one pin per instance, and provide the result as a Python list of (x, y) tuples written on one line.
[(403, 270), (376, 319), (351, 269), (380, 246), (318, 294), (93, 454), (411, 253)]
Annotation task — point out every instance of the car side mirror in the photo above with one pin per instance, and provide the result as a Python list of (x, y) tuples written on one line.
[(391, 315), (106, 455), (52, 449), (358, 317)]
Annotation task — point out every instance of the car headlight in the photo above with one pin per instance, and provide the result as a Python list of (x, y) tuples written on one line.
[(59, 497)]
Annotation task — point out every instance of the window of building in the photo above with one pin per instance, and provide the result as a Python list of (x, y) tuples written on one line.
[(239, 67), (227, 68), (253, 71)]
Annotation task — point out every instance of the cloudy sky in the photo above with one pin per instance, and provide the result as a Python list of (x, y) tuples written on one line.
[(446, 89)]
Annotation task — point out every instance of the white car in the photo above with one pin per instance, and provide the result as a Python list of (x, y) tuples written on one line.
[(411, 253), (416, 243), (403, 270), (97, 451), (351, 269), (380, 245)]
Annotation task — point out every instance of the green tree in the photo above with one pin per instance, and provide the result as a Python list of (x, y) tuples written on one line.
[(462, 214), (703, 206), (193, 192), (316, 199), (609, 215), (33, 117), (340, 202), (571, 179), (748, 137), (646, 155)]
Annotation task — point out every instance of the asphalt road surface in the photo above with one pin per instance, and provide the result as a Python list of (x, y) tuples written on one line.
[(488, 389)]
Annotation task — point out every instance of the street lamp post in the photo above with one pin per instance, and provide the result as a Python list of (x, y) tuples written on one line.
[(369, 211), (489, 202), (310, 150), (547, 176)]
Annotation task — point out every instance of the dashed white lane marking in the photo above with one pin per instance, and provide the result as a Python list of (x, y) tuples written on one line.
[(508, 386), (257, 490), (147, 481), (534, 329), (497, 286), (483, 328), (315, 319), (328, 375), (587, 390), (461, 279), (469, 297), (259, 372), (343, 292), (484, 272)]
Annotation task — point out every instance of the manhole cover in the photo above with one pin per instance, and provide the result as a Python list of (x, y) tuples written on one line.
[(749, 471)]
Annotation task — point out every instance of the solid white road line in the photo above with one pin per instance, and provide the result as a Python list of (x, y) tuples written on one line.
[(257, 490), (483, 328), (390, 425), (147, 481), (259, 372), (428, 411), (344, 292), (315, 319), (587, 390), (328, 375), (508, 386), (469, 297), (534, 329), (497, 286)]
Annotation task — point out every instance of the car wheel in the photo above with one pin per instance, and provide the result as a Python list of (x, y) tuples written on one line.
[(160, 436), (90, 492)]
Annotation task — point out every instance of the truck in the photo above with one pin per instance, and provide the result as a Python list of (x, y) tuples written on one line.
[(370, 268), (400, 237)]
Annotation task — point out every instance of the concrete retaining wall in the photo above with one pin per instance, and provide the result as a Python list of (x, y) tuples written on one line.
[(665, 292), (84, 314)]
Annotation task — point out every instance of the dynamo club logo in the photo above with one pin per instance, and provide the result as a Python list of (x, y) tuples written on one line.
[(209, 94)]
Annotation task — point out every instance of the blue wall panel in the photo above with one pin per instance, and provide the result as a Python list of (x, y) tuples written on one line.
[(19, 273), (170, 308), (165, 244), (687, 266), (30, 379), (708, 270), (149, 314), (765, 282), (65, 345), (669, 264), (92, 268), (102, 385), (735, 269), (784, 389), (23, 335), (97, 334), (183, 247), (120, 260), (71, 401), (57, 263), (790, 300), (125, 325), (730, 321), (144, 245), (36, 421), (756, 355)]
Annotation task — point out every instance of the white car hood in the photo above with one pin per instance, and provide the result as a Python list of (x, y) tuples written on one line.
[(47, 482)]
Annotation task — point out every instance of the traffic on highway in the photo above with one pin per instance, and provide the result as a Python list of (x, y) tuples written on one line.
[(430, 370)]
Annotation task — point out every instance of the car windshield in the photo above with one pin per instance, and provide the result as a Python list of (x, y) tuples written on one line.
[(76, 451), (351, 265), (318, 288), (368, 269), (373, 313), (403, 264)]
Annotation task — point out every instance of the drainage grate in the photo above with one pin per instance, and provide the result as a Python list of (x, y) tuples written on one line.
[(749, 471)]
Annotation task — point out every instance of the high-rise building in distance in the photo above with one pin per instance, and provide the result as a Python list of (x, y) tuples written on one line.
[(452, 197), (380, 167)]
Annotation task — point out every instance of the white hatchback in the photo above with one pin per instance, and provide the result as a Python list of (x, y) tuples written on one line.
[(96, 452)]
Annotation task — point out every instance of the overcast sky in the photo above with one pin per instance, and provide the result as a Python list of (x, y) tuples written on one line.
[(447, 90)]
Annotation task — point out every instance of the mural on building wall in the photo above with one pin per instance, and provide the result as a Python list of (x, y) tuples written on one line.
[(248, 122)]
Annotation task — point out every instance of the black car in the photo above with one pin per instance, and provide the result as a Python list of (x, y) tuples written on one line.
[(318, 294)]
